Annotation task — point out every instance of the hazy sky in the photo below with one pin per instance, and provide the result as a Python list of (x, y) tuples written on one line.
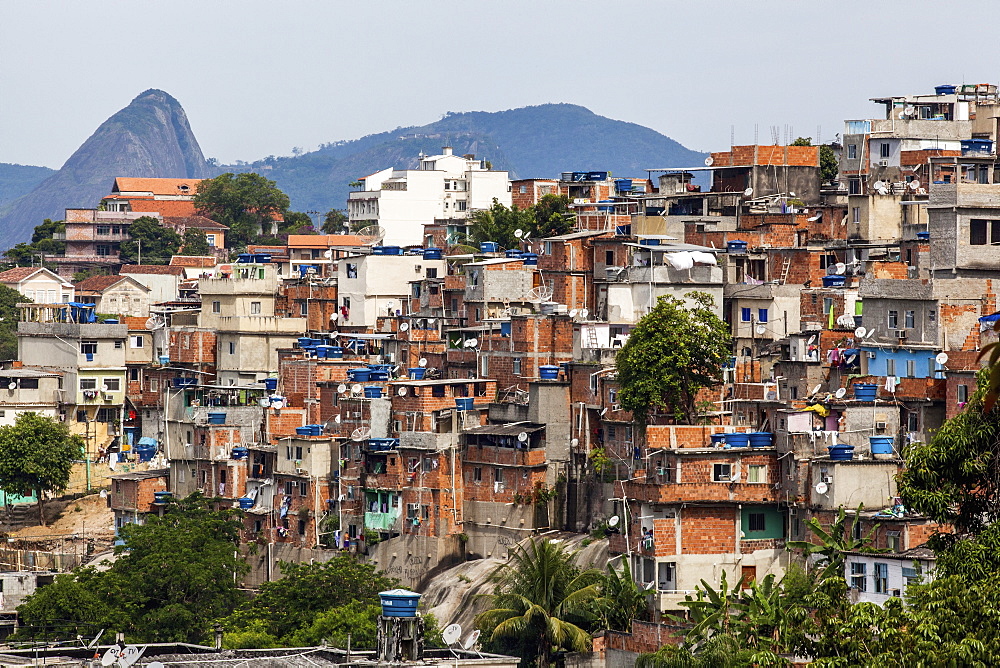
[(260, 77)]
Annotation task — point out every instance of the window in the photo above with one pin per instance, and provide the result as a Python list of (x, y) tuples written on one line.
[(210, 238), (103, 230), (892, 541), (136, 341), (432, 272), (745, 314), (517, 366), (119, 345), (303, 488), (762, 315), (88, 347), (890, 367), (497, 475), (859, 578), (962, 394), (856, 214), (103, 250), (884, 150), (722, 472), (302, 527), (855, 186), (609, 257), (523, 189), (757, 473), (216, 307), (477, 474), (288, 487), (827, 305), (881, 577), (114, 384), (910, 576), (88, 383), (352, 270), (852, 151), (133, 374), (893, 320), (232, 347), (461, 205), (756, 522), (908, 319), (911, 368), (254, 308), (931, 315), (304, 309)]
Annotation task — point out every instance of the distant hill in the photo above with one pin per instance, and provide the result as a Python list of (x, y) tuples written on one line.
[(540, 141), (150, 137), (17, 180)]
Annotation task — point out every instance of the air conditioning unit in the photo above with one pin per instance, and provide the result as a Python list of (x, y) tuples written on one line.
[(880, 426), (300, 471), (310, 270), (900, 333), (883, 163), (871, 354), (828, 479), (498, 486)]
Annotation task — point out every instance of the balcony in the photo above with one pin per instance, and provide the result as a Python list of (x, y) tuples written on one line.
[(382, 521)]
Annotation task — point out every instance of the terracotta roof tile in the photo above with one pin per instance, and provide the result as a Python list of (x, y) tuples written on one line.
[(156, 186), (205, 261), (98, 283), (17, 274), (164, 207), (152, 269)]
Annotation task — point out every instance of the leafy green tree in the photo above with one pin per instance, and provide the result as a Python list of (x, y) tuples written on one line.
[(676, 350), (247, 203), (621, 599), (194, 243), (334, 222), (9, 316), (150, 242), (36, 456), (296, 222), (542, 602), (42, 244), (292, 603), (721, 651), (174, 575), (357, 618), (498, 223), (553, 217)]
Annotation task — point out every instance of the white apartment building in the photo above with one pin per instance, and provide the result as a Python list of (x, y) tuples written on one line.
[(370, 286), (444, 188)]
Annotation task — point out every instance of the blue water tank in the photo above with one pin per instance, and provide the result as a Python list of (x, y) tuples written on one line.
[(246, 503), (399, 603), (513, 252), (530, 259), (432, 253), (417, 372), (239, 453), (736, 246), (881, 445), (945, 89), (217, 418), (923, 236), (373, 392), (271, 384), (865, 391), (833, 281), (489, 247), (548, 372), (464, 403), (623, 185)]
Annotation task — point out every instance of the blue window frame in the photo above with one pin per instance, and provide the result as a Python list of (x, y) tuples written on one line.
[(762, 315), (745, 315)]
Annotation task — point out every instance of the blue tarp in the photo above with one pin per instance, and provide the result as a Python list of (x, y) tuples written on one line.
[(990, 318), (146, 440)]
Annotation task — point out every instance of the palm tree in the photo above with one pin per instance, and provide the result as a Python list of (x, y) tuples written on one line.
[(835, 540), (622, 600), (540, 598)]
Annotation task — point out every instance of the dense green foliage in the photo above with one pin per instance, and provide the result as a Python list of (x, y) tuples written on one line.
[(247, 203), (550, 217), (173, 576), (334, 222), (194, 242), (150, 242), (311, 598), (36, 456), (9, 317), (676, 350), (42, 244), (542, 602)]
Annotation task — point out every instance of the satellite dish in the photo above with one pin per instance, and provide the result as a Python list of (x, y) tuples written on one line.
[(471, 641), (791, 194), (613, 521), (336, 419), (909, 109), (371, 235), (816, 389), (822, 488), (473, 342), (451, 634), (356, 388), (264, 402), (422, 362), (709, 161), (104, 388), (542, 293), (519, 233), (152, 323), (748, 192), (878, 185), (883, 191), (914, 184), (391, 303), (573, 313), (840, 268), (941, 358), (341, 388), (522, 437), (130, 655), (815, 218), (860, 332), (401, 391), (812, 340), (111, 656), (12, 386), (334, 317), (574, 442), (584, 313), (603, 411), (871, 333), (760, 329), (902, 115), (361, 434), (328, 254), (840, 392), (403, 326)]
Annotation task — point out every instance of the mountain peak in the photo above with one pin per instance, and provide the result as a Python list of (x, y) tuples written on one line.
[(151, 137)]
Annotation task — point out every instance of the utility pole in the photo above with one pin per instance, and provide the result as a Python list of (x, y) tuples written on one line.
[(139, 243)]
